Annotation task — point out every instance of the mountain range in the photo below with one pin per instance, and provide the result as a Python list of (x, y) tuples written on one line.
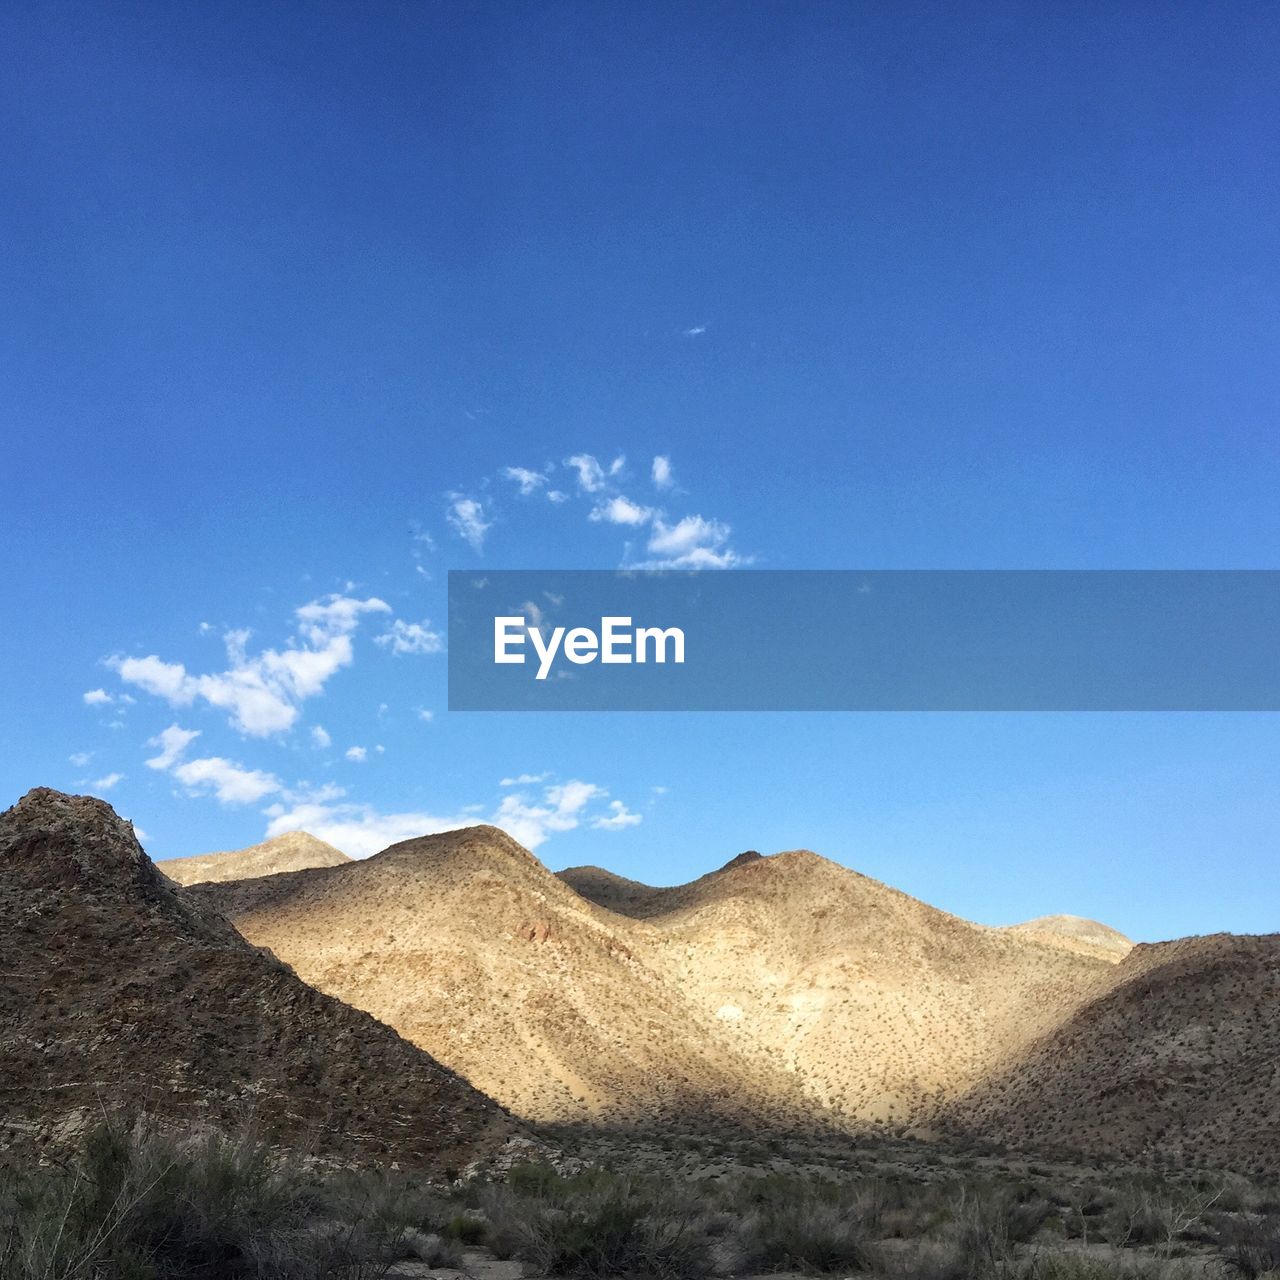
[(484, 991)]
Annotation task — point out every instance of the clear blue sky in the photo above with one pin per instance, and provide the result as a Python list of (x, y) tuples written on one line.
[(288, 288)]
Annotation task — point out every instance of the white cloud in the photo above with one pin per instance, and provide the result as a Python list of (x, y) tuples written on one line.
[(620, 510), (231, 783), (662, 477), (107, 782), (524, 780), (691, 543), (81, 758), (534, 822), (172, 742), (411, 637), (467, 518), (97, 698), (426, 715), (696, 331), (557, 496), (357, 754), (619, 816), (529, 481), (359, 830), (591, 475), (320, 736), (262, 693)]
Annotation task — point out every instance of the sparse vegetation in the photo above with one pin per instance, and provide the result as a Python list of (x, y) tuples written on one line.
[(138, 1204)]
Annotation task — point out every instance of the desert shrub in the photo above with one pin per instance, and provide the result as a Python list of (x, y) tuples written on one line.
[(813, 1237), (1251, 1247), (595, 1234), (137, 1204), (466, 1228)]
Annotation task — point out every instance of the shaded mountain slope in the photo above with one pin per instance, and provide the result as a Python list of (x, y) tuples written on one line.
[(1177, 1056), (119, 990), (293, 851)]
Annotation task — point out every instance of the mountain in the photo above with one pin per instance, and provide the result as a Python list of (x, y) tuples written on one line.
[(120, 991), (1075, 933), (1176, 1056), (472, 949), (879, 1005), (293, 851), (774, 988)]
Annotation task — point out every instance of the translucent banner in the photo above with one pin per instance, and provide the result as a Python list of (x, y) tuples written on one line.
[(814, 640)]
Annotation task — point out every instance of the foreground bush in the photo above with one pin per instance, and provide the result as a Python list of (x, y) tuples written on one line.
[(139, 1205)]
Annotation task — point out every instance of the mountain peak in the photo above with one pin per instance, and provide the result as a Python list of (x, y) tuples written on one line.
[(743, 859), (290, 851), (54, 837)]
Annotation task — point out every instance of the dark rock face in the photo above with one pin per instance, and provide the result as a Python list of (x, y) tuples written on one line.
[(117, 991), (742, 860)]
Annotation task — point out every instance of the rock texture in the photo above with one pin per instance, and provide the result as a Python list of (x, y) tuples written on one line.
[(118, 990), (1177, 1056), (293, 851), (1074, 933), (772, 989), (471, 948)]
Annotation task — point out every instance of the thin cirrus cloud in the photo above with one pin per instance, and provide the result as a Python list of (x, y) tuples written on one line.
[(262, 693), (467, 518), (529, 481), (411, 637)]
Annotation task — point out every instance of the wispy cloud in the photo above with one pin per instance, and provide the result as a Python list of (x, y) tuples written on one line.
[(695, 332), (661, 472), (690, 543), (262, 693), (468, 520), (320, 737), (618, 817), (81, 758), (231, 783), (621, 510), (97, 698), (106, 783), (173, 743), (593, 474), (529, 817), (357, 754), (411, 637), (529, 481)]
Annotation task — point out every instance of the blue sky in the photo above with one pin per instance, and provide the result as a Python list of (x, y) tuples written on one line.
[(288, 289)]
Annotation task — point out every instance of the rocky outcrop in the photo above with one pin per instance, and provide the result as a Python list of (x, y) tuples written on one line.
[(119, 992)]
